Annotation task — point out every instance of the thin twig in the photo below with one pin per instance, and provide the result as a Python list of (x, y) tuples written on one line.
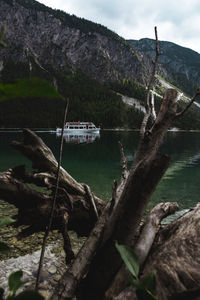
[(124, 162), (153, 112), (114, 194), (149, 87), (53, 202), (197, 94), (91, 199)]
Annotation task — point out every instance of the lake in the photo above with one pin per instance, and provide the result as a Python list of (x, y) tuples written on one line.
[(98, 163)]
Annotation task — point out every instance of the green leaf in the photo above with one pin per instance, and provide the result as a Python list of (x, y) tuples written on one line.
[(130, 258), (6, 221), (149, 282), (14, 281), (3, 247), (30, 295), (134, 282), (144, 295), (3, 45)]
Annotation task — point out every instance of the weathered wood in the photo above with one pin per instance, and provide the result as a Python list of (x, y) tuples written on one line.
[(34, 205), (43, 160), (127, 294), (124, 220), (176, 258), (142, 247), (67, 288), (148, 168), (73, 209), (151, 227)]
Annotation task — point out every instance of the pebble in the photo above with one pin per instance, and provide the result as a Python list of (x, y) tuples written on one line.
[(53, 268)]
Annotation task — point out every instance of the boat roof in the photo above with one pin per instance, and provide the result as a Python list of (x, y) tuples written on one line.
[(79, 123)]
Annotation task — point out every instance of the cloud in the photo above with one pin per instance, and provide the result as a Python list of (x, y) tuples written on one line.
[(177, 21)]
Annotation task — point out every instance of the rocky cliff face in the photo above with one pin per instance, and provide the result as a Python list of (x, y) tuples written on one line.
[(46, 37), (179, 65)]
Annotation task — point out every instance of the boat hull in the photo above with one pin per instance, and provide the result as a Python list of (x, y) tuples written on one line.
[(79, 131)]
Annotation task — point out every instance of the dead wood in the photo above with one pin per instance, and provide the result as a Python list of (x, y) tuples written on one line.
[(151, 227), (73, 210), (103, 263), (142, 247), (127, 294), (123, 222), (44, 161), (196, 95), (176, 259), (149, 105)]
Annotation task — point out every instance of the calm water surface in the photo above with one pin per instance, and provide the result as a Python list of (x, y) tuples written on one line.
[(99, 163)]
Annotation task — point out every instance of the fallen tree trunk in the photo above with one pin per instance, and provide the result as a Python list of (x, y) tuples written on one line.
[(74, 208), (175, 257), (123, 223), (142, 247)]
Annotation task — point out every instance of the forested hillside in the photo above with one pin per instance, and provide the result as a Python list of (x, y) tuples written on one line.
[(51, 55), (178, 65)]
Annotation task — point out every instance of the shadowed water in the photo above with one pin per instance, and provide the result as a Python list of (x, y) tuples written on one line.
[(98, 163)]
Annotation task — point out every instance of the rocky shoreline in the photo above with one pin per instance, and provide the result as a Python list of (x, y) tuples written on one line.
[(53, 268)]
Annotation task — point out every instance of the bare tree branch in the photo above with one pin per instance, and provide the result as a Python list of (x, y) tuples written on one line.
[(153, 112), (124, 163), (149, 87), (53, 202), (197, 94), (142, 247), (90, 197)]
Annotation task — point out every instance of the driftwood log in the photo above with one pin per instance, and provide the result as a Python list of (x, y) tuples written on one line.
[(175, 256), (74, 209)]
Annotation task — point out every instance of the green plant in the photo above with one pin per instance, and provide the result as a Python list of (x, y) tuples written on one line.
[(146, 286), (14, 279), (14, 283)]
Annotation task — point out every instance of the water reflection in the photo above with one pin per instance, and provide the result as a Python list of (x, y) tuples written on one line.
[(80, 138), (98, 162)]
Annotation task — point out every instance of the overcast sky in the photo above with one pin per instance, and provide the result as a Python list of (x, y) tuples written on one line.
[(177, 21)]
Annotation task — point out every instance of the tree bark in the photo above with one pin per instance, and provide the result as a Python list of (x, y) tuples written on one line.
[(176, 259), (142, 248), (92, 271), (74, 209), (148, 168)]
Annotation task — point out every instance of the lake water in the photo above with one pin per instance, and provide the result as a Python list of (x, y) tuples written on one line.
[(98, 163)]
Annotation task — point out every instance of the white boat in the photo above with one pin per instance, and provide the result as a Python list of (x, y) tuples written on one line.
[(87, 127), (80, 137)]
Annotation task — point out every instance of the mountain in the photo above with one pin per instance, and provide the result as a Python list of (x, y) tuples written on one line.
[(81, 59), (51, 55), (59, 42), (179, 65)]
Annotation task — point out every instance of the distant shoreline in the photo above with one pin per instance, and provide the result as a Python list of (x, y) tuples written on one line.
[(104, 129)]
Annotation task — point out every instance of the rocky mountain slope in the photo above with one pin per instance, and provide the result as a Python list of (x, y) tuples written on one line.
[(52, 39), (85, 61), (179, 65)]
